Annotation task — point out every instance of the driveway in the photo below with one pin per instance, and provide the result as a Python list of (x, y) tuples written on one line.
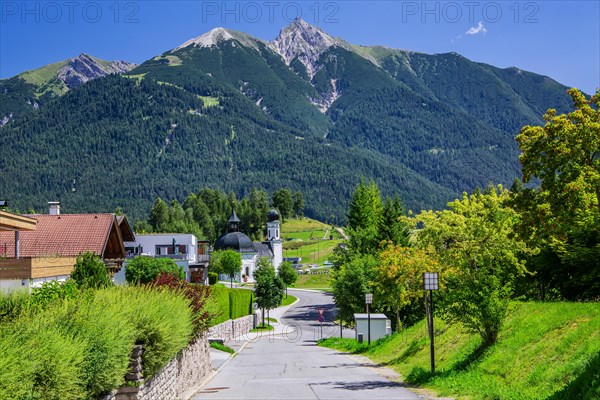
[(290, 365)]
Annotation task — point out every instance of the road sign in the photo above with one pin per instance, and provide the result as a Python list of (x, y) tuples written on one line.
[(321, 319), (321, 311)]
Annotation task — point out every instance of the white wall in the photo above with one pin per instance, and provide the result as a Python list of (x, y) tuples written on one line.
[(150, 241)]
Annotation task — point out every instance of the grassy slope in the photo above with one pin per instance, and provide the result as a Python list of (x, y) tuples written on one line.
[(545, 351), (317, 250), (314, 281)]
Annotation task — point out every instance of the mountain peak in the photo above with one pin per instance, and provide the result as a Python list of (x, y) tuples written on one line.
[(216, 36), (84, 67), (305, 41)]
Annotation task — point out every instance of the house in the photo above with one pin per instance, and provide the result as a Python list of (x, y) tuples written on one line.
[(185, 249), (49, 251), (251, 251)]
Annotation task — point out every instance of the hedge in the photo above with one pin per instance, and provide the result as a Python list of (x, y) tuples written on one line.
[(233, 303), (79, 347), (240, 302)]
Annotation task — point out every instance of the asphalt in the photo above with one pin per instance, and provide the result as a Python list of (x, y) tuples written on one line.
[(286, 363)]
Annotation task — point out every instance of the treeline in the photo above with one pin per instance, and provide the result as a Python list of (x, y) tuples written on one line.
[(205, 213), (490, 247)]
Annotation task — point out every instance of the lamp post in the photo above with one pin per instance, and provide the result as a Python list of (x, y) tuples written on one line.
[(431, 283), (368, 302)]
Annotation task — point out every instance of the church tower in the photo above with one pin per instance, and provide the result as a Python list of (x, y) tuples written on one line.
[(273, 236)]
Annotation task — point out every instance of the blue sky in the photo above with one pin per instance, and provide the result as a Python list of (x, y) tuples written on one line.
[(560, 39)]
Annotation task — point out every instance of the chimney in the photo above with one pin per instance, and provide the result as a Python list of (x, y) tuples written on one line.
[(54, 207)]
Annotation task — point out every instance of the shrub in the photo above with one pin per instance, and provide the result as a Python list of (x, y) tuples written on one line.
[(79, 347), (220, 296), (240, 302), (40, 361), (144, 269), (90, 272), (213, 278), (163, 323), (13, 304), (52, 291), (203, 306)]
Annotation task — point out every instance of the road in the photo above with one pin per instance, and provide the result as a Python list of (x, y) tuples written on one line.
[(291, 365)]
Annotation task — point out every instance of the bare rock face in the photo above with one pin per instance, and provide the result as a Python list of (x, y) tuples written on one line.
[(304, 41), (84, 68)]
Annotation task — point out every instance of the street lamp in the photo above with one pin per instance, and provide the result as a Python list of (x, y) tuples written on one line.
[(431, 283), (368, 302)]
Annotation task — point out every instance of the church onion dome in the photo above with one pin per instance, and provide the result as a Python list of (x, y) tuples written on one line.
[(273, 215), (235, 241)]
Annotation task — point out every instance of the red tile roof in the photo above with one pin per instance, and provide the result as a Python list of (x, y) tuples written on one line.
[(64, 235)]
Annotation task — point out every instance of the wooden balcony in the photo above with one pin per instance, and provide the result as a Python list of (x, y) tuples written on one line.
[(31, 268)]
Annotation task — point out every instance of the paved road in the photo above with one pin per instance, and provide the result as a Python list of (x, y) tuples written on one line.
[(291, 366)]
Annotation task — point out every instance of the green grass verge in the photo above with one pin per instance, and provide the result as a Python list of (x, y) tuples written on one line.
[(222, 347), (262, 328), (271, 319), (314, 281), (545, 351), (287, 301)]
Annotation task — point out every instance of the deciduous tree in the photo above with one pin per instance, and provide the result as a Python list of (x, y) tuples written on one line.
[(475, 238)]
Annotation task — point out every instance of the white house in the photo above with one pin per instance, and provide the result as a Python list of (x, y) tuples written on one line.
[(183, 248)]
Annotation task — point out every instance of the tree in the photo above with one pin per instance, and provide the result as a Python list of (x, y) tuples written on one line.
[(298, 205), (392, 229), (350, 283), (159, 216), (364, 218), (287, 274), (90, 272), (268, 287), (398, 279), (143, 269), (282, 201), (562, 216), (475, 240), (226, 262), (565, 154)]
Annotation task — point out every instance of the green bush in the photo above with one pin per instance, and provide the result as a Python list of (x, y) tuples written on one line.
[(39, 361), (240, 302), (79, 347), (91, 272), (143, 269), (221, 298), (13, 304), (52, 291), (213, 278)]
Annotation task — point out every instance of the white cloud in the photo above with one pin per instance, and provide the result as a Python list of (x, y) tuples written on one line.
[(475, 30)]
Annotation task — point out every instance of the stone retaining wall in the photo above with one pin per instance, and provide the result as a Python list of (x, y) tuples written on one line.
[(232, 329), (189, 368)]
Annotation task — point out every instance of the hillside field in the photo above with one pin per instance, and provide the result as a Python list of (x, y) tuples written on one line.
[(545, 351)]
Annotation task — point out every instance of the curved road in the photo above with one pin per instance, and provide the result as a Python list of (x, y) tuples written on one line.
[(291, 366)]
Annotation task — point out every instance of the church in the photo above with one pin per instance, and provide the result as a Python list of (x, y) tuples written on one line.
[(251, 251)]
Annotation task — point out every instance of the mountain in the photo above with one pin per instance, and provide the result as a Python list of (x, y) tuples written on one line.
[(26, 91), (306, 111)]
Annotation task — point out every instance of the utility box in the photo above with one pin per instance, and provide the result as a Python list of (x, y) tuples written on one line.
[(380, 326)]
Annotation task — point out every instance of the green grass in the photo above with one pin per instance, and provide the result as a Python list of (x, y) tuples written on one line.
[(262, 328), (43, 75), (271, 319), (545, 351), (314, 281), (314, 253), (302, 224), (210, 101), (287, 301), (222, 347)]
